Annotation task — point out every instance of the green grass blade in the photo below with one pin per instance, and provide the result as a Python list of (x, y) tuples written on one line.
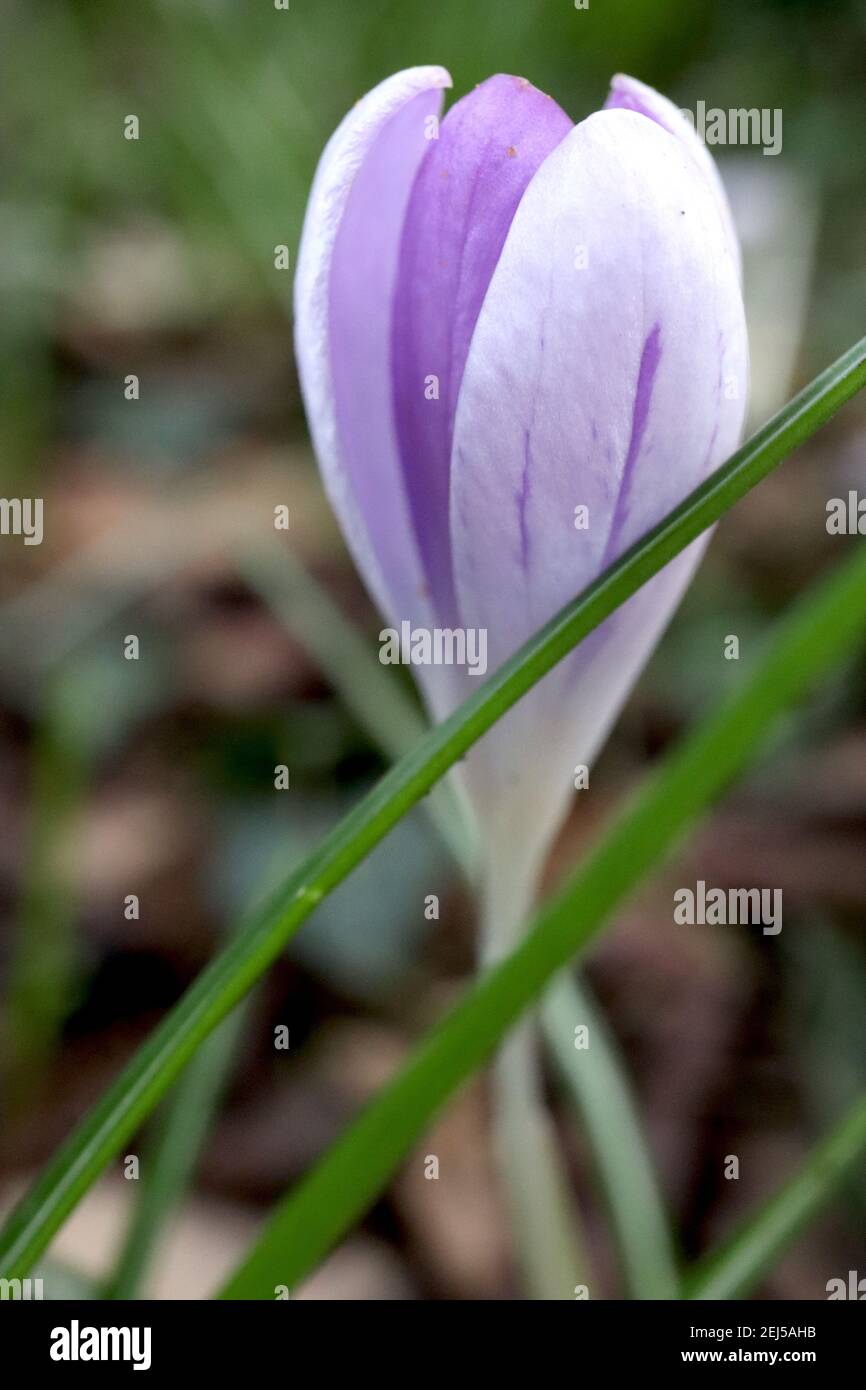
[(388, 713), (224, 982), (739, 1264), (385, 709), (170, 1156), (394, 722), (822, 628), (597, 1083), (595, 1078)]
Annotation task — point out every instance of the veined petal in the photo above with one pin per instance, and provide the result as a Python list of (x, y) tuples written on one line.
[(520, 777), (347, 264), (463, 200), (628, 94), (607, 371)]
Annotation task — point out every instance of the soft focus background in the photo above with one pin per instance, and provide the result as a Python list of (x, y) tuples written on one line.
[(156, 777)]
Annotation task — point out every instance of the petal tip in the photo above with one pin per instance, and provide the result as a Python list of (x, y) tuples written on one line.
[(435, 76)]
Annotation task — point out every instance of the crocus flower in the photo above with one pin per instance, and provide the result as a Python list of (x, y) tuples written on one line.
[(521, 342)]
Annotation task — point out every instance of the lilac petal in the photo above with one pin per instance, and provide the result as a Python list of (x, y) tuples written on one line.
[(608, 369), (628, 94), (464, 198), (347, 266)]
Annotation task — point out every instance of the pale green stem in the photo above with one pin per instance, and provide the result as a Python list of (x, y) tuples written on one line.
[(543, 1218), (597, 1082)]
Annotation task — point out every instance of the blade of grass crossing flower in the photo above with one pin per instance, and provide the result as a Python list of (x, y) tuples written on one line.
[(597, 1084), (223, 983), (551, 1241), (595, 1078), (822, 628), (389, 715), (734, 1269)]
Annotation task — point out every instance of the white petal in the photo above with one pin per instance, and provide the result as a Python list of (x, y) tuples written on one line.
[(345, 274), (616, 272), (627, 93)]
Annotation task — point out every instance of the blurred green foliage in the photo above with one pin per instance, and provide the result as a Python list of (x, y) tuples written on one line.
[(236, 99), (155, 256)]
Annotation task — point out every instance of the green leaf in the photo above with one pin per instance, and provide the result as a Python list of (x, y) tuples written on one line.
[(740, 1263), (546, 1229), (171, 1154), (224, 982), (823, 627)]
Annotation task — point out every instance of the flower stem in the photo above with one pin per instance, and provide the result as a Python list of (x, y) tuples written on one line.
[(543, 1215)]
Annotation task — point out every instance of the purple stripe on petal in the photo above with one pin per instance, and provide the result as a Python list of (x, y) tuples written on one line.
[(362, 275), (460, 210), (616, 189), (523, 499), (394, 579), (649, 364)]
